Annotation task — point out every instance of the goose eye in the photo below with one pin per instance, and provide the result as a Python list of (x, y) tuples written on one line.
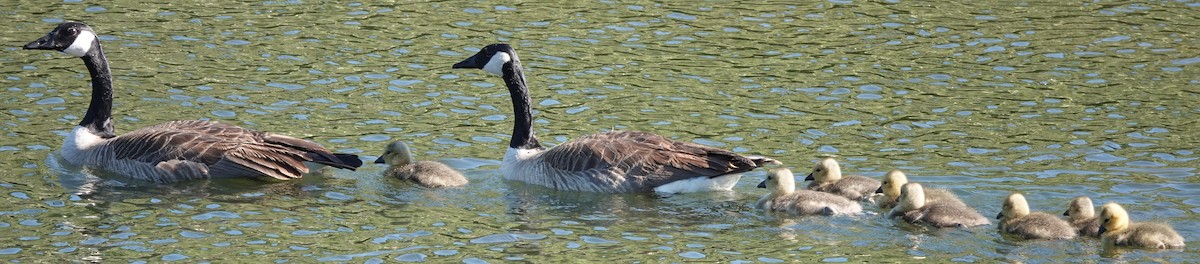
[(72, 31)]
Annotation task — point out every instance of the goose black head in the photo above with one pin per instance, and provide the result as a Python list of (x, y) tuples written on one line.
[(75, 38), (490, 59)]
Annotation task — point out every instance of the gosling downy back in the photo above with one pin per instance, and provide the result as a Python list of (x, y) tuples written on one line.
[(430, 174), (1015, 218), (1118, 230), (1082, 215), (785, 198), (913, 207), (827, 177), (890, 188)]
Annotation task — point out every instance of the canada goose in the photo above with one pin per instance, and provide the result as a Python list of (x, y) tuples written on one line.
[(827, 177), (785, 198), (1082, 215), (890, 188), (1015, 218), (431, 174), (177, 150), (615, 161), (913, 208), (1117, 230)]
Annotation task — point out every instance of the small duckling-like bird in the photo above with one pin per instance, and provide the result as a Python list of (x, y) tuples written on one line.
[(1015, 218), (785, 198), (890, 189), (1117, 230), (430, 174), (827, 177), (1082, 215), (912, 207)]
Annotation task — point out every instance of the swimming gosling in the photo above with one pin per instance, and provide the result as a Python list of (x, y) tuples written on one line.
[(890, 188), (430, 174), (1082, 215), (784, 197), (1117, 230), (827, 177), (1015, 218), (913, 208)]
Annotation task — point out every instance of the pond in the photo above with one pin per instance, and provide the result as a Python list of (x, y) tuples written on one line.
[(985, 98)]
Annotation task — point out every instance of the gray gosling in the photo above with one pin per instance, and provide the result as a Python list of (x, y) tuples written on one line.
[(890, 189), (827, 177), (1117, 230), (430, 174), (1082, 215), (1015, 218), (785, 198), (913, 208)]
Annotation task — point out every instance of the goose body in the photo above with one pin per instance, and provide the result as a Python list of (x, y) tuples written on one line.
[(1082, 215), (827, 177), (431, 174), (177, 150), (785, 198), (1015, 218), (615, 161), (912, 207), (890, 188), (1118, 230)]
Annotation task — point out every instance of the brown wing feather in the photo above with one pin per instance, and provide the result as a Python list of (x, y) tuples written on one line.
[(228, 150), (655, 160)]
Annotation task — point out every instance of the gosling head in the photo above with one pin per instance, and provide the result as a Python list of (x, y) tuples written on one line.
[(912, 196), (492, 58), (890, 187), (396, 154), (826, 170), (1081, 208), (1113, 217), (75, 38), (781, 181), (1015, 206)]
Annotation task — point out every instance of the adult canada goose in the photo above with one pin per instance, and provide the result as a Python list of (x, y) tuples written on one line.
[(177, 150), (1082, 215), (785, 198), (890, 188), (615, 161), (827, 177), (1117, 230), (1015, 218), (431, 174), (913, 208)]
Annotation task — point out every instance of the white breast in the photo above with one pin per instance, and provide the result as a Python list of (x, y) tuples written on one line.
[(78, 144)]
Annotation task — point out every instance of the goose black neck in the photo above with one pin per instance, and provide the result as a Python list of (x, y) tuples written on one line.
[(522, 135), (98, 118)]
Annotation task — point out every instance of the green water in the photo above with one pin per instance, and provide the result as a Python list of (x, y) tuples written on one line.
[(1051, 100)]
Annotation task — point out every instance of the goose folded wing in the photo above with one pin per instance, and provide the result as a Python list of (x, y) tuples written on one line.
[(644, 157), (227, 150)]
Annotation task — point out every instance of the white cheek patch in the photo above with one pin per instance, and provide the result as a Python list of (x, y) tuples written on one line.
[(82, 44), (495, 64)]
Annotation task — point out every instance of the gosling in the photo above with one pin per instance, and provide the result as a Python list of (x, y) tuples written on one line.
[(827, 177), (1015, 218), (784, 197), (912, 207), (1116, 230), (430, 174), (1082, 215), (890, 189)]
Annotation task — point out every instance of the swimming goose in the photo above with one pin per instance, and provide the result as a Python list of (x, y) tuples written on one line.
[(431, 174), (1116, 230), (913, 208), (1082, 215), (177, 150), (827, 177), (615, 161), (1015, 218), (890, 188), (785, 198)]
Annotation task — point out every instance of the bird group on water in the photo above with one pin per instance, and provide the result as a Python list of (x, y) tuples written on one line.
[(609, 162)]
